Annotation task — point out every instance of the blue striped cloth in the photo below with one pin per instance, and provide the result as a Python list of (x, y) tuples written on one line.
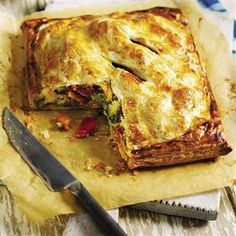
[(216, 5), (234, 39)]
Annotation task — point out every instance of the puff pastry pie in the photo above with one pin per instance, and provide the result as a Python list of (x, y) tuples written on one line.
[(142, 68)]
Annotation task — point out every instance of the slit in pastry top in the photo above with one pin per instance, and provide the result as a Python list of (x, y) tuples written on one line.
[(148, 62)]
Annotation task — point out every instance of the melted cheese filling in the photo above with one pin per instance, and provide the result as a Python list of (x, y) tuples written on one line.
[(159, 79)]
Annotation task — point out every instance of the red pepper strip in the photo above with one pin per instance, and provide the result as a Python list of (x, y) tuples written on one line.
[(85, 91), (87, 126), (77, 98)]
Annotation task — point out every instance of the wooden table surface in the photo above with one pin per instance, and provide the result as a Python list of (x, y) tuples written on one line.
[(134, 222), (13, 222)]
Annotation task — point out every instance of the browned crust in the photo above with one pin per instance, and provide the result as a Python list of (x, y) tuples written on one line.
[(172, 160), (192, 146), (203, 142), (195, 145), (169, 13), (31, 30)]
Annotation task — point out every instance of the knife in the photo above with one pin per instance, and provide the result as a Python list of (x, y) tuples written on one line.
[(53, 173)]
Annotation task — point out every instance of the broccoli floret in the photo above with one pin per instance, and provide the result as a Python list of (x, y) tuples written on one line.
[(61, 100), (114, 111), (111, 108), (115, 118), (100, 100), (59, 91)]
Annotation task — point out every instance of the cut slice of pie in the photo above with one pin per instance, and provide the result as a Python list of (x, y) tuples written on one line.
[(142, 68)]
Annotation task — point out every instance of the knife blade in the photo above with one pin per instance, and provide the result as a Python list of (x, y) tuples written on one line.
[(53, 173)]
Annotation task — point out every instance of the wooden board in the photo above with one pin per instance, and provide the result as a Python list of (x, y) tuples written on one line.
[(14, 223)]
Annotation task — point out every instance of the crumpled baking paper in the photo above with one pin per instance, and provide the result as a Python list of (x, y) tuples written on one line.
[(78, 155)]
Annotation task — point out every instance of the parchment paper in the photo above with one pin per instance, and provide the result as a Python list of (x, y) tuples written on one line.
[(31, 193)]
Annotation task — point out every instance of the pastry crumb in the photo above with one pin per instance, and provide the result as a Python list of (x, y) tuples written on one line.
[(100, 166), (134, 172), (88, 165), (45, 134), (120, 166), (108, 171), (103, 168)]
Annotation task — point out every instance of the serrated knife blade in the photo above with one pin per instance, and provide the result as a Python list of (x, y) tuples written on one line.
[(54, 174), (36, 155)]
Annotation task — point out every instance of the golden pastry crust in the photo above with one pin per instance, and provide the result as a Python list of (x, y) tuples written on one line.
[(148, 62)]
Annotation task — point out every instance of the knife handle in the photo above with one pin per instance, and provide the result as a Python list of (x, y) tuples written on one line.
[(106, 222)]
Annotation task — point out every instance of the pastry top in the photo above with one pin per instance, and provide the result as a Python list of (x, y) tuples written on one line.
[(146, 58)]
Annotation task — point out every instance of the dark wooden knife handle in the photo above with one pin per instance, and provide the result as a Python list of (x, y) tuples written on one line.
[(106, 222)]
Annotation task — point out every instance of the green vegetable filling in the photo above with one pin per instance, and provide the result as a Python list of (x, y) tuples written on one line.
[(100, 99), (112, 108), (61, 100), (114, 111), (39, 102), (59, 91)]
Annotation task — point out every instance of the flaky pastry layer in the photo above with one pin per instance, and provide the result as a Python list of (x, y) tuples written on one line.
[(146, 61)]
